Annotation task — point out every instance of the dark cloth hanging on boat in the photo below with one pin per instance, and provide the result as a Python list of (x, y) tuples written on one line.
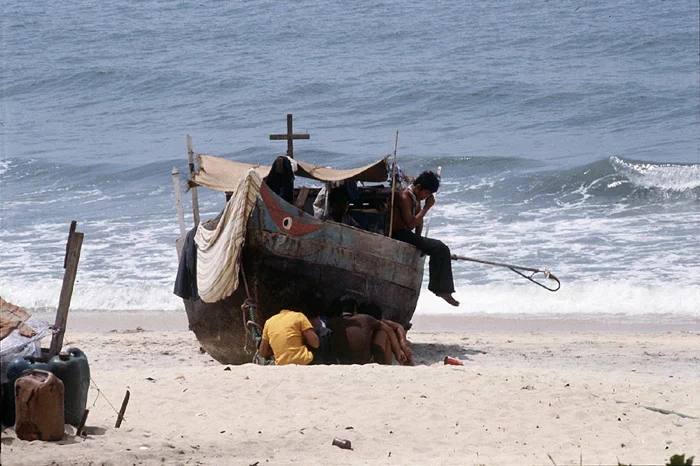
[(441, 280), (281, 179), (186, 279), (352, 190)]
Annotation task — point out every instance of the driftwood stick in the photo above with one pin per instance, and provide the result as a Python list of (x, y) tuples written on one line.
[(120, 417), (668, 411), (79, 432), (75, 242)]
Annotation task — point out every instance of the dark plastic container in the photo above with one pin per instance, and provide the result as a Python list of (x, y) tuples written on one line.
[(73, 370), (14, 371)]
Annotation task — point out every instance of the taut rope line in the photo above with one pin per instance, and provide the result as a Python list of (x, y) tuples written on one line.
[(545, 272)]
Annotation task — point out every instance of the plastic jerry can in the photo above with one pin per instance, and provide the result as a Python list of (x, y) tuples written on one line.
[(73, 370), (14, 371), (39, 406)]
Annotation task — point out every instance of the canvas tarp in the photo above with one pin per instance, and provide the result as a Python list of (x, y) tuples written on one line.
[(222, 174), (219, 250)]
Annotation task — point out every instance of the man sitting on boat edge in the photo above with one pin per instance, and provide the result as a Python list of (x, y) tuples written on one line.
[(408, 216)]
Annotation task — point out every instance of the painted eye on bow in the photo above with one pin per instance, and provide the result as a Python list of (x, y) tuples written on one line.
[(287, 223)]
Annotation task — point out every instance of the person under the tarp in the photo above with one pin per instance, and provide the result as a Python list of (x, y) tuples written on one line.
[(408, 216), (338, 205), (280, 179)]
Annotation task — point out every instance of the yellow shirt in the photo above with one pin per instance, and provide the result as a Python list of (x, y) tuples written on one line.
[(284, 332)]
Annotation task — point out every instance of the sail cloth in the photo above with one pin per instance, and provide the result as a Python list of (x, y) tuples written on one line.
[(222, 174), (219, 250)]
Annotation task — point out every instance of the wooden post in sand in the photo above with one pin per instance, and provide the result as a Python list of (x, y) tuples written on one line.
[(120, 416), (74, 245), (81, 426), (195, 199)]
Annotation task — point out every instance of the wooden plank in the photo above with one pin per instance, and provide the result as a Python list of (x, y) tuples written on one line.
[(282, 137), (195, 198), (76, 243), (301, 198)]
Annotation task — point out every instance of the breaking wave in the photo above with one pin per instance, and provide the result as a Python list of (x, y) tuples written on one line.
[(670, 177)]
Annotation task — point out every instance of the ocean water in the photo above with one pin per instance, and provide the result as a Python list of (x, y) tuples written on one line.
[(568, 134)]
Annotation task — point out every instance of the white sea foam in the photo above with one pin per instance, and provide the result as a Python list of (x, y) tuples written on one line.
[(4, 166), (92, 295), (663, 176), (579, 244), (577, 298)]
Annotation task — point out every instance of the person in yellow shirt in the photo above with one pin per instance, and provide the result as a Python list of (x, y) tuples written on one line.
[(288, 336)]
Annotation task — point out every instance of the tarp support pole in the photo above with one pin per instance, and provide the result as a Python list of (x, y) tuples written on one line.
[(195, 199), (178, 201)]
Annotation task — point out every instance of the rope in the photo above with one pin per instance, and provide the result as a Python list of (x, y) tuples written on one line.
[(99, 392), (249, 322), (545, 272)]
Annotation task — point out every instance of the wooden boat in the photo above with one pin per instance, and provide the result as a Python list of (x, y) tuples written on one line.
[(286, 248)]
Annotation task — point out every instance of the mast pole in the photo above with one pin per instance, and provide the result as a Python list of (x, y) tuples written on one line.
[(393, 186)]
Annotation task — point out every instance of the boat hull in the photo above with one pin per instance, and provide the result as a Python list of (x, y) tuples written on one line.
[(287, 250)]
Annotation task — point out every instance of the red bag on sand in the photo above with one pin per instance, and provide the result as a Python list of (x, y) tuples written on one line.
[(39, 406)]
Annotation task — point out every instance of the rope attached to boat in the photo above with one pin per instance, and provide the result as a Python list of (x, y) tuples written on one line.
[(251, 327), (517, 269)]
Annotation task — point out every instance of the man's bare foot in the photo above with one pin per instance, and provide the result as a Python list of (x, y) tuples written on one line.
[(448, 297)]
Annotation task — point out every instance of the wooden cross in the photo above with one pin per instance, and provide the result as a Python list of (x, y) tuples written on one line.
[(290, 136)]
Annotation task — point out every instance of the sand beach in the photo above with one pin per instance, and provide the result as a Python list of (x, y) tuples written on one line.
[(541, 395)]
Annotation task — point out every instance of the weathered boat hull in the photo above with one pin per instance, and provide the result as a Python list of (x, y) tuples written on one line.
[(287, 249)]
